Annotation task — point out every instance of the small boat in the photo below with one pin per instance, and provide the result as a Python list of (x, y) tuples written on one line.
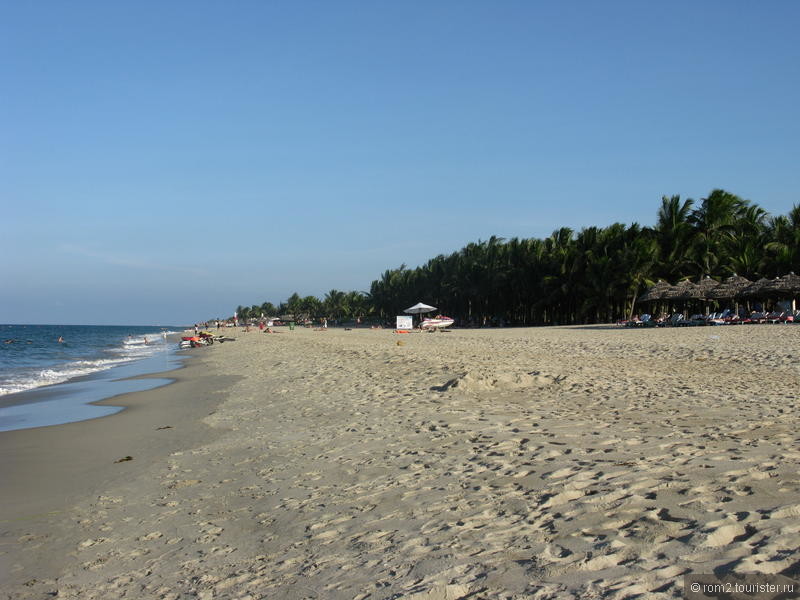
[(437, 322)]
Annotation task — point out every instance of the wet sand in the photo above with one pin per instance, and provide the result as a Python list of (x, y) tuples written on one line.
[(511, 463)]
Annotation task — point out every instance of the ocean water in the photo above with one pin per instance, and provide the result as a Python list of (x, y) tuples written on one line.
[(47, 382)]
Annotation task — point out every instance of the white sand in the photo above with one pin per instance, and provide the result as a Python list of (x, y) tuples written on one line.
[(518, 463)]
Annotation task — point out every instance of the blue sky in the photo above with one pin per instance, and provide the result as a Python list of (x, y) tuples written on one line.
[(161, 163)]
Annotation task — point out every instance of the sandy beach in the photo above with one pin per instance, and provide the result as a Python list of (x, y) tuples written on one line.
[(508, 463)]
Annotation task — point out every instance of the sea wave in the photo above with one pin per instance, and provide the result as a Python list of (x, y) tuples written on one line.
[(129, 350), (23, 381)]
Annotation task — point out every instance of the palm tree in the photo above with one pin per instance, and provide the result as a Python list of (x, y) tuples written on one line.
[(714, 223), (561, 269), (673, 232), (334, 304), (293, 304), (311, 306), (638, 261), (355, 305), (783, 247)]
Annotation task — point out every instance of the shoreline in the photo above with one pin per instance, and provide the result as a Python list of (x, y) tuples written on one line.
[(553, 461), (81, 397), (46, 470)]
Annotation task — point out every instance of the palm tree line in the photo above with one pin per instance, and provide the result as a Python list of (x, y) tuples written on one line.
[(591, 276), (335, 305)]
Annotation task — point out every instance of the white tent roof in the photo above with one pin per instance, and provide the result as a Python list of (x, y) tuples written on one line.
[(418, 308)]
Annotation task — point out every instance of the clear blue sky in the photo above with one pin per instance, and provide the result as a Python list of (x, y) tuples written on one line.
[(162, 162)]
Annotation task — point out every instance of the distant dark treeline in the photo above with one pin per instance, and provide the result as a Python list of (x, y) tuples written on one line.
[(591, 276)]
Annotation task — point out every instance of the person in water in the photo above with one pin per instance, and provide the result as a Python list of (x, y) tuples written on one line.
[(60, 340)]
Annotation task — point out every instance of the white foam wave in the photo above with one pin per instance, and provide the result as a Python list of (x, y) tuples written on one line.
[(69, 371), (126, 353)]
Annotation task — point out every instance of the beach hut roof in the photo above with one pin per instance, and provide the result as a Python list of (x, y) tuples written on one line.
[(788, 284), (755, 289), (656, 292), (730, 287), (684, 290), (706, 286)]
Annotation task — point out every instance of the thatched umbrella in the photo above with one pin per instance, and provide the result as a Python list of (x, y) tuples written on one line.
[(755, 289), (791, 282), (684, 290), (706, 286), (729, 288), (656, 292), (786, 286), (773, 287)]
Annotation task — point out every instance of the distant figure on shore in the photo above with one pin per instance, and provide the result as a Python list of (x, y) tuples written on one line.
[(60, 340)]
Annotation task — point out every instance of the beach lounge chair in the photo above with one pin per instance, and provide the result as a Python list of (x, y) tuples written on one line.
[(774, 317), (716, 319), (662, 318), (698, 320), (673, 320), (636, 321)]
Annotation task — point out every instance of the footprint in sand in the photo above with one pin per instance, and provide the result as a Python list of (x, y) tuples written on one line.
[(563, 498), (786, 512), (442, 592), (727, 534)]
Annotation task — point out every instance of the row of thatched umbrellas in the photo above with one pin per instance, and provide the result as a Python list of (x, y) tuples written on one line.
[(732, 287)]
